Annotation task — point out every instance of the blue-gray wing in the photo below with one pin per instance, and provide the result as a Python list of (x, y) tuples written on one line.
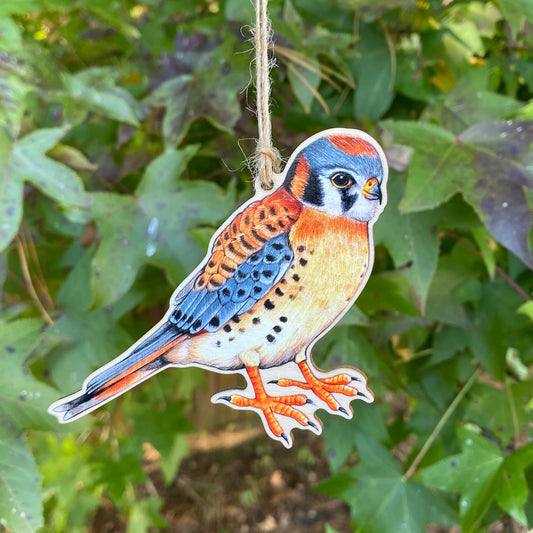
[(210, 310)]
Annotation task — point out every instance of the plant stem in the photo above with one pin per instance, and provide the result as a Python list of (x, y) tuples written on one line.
[(29, 283), (442, 422)]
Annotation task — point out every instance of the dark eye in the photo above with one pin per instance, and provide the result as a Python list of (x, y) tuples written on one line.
[(341, 180)]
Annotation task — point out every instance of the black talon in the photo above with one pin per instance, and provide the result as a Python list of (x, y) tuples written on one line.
[(283, 436), (356, 379), (227, 398), (312, 424), (363, 395), (308, 400), (342, 410), (274, 382)]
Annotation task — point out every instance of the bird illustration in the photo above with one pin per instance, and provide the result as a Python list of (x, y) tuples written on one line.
[(280, 272)]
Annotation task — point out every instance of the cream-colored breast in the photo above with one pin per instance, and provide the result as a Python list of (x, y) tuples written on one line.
[(331, 263)]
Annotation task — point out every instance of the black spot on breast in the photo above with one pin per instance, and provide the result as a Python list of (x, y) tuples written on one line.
[(234, 227), (277, 329), (279, 292), (277, 246), (247, 220), (240, 292), (254, 257), (231, 339), (197, 324), (283, 319), (270, 338), (269, 305), (214, 283), (226, 235), (303, 261), (281, 224), (211, 264), (256, 320), (270, 258), (227, 328), (301, 248), (241, 330), (236, 319), (201, 282), (295, 277), (261, 215), (178, 315), (272, 210), (218, 343), (267, 273), (270, 228), (287, 257), (226, 291), (257, 289), (215, 322), (190, 319), (255, 275)]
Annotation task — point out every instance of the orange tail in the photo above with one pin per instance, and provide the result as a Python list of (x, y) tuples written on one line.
[(119, 375)]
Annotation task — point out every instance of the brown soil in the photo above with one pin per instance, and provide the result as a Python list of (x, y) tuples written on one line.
[(241, 482)]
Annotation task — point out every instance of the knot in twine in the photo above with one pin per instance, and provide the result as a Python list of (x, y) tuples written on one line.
[(266, 160)]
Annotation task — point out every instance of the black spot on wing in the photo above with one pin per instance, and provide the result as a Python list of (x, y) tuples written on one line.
[(211, 310)]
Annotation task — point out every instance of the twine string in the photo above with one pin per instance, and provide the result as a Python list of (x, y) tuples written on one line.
[(267, 158)]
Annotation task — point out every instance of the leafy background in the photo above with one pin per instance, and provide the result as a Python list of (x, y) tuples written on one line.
[(123, 128)]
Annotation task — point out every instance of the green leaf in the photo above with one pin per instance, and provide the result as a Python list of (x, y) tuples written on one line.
[(481, 474), (504, 413), (412, 240), (25, 161), (526, 309), (383, 500), (483, 163), (152, 228), (88, 340), (374, 72), (145, 516), (23, 399), (516, 11), (471, 473), (304, 81), (94, 90), (209, 93), (20, 484)]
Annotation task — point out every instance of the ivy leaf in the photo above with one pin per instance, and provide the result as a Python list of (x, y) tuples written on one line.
[(502, 412), (209, 93), (412, 240), (21, 507), (152, 227), (382, 499), (23, 398), (95, 90), (481, 474), (25, 160), (375, 77), (483, 163)]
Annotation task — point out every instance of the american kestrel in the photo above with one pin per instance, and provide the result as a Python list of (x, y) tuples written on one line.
[(279, 274)]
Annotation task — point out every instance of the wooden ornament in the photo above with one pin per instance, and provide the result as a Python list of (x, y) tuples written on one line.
[(279, 274)]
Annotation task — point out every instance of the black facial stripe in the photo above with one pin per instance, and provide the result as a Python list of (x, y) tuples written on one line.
[(290, 174), (313, 193), (347, 199)]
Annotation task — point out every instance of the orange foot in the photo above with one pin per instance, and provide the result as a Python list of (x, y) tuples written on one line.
[(272, 405), (324, 387)]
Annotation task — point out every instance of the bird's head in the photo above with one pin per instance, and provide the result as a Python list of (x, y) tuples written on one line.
[(342, 172)]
